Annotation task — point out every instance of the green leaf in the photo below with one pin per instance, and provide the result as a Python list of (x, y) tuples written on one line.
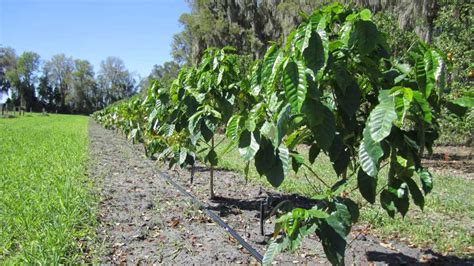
[(268, 163), (420, 75), (283, 121), (387, 200), (294, 81), (297, 161), (316, 213), (370, 153), (426, 180), (424, 106), (415, 192), (465, 101), (458, 110), (367, 186), (232, 129), (433, 66), (153, 115), (325, 131), (275, 247), (314, 55), (271, 66), (194, 121), (348, 91), (248, 145), (206, 132), (365, 15), (403, 99), (182, 156), (353, 209), (211, 157), (250, 124), (313, 152), (339, 155), (364, 36), (381, 119), (333, 232), (402, 201), (284, 157), (270, 131)]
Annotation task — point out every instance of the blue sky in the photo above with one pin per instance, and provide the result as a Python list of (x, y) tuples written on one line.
[(138, 31)]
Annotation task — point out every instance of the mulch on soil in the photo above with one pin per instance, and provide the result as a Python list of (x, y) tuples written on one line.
[(144, 219)]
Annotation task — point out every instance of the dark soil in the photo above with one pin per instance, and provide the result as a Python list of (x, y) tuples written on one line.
[(144, 219)]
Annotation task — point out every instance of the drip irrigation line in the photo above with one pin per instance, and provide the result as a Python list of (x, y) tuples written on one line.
[(205, 208)]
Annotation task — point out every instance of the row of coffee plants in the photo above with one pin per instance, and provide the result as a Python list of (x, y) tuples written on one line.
[(333, 87)]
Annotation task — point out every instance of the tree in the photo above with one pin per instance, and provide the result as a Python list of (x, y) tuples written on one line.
[(46, 93), (8, 60), (114, 80), (22, 78), (250, 25), (60, 69), (164, 73), (247, 25), (84, 93)]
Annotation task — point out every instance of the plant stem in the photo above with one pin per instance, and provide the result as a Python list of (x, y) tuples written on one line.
[(316, 175), (212, 172)]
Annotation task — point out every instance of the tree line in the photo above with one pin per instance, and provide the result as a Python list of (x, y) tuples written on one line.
[(67, 85), (63, 84)]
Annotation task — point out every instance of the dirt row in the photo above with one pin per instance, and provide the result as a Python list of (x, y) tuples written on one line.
[(144, 219)]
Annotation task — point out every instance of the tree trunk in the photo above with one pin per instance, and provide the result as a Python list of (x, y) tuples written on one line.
[(211, 183)]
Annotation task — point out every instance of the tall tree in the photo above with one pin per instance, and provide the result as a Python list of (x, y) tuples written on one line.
[(60, 69), (84, 88), (46, 93), (22, 78), (114, 80), (8, 61), (164, 73), (250, 25)]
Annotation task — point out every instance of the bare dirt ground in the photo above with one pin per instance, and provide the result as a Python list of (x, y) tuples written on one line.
[(455, 160), (145, 220)]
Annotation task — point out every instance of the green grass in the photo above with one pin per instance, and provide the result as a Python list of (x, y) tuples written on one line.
[(444, 225), (47, 206)]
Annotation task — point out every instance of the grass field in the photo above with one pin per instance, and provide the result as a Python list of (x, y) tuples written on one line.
[(46, 206), (445, 224)]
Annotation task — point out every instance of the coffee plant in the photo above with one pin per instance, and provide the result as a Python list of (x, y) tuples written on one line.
[(334, 87)]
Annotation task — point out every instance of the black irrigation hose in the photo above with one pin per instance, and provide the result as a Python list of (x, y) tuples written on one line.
[(213, 216)]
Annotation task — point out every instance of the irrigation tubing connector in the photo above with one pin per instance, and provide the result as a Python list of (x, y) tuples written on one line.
[(202, 206)]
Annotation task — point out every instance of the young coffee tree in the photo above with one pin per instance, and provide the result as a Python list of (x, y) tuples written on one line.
[(216, 89), (334, 87)]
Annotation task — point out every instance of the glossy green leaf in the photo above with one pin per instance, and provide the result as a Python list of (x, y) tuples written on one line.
[(370, 153), (232, 129), (381, 119), (424, 106), (367, 186), (294, 81), (248, 145), (426, 180)]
